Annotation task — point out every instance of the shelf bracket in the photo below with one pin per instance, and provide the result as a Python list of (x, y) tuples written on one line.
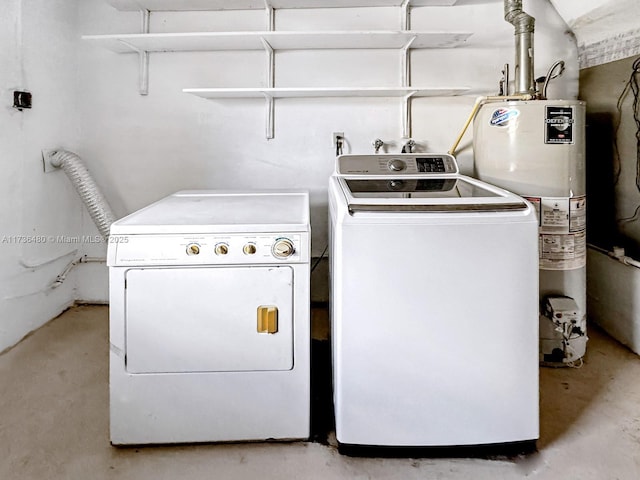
[(144, 56), (405, 19), (406, 82), (271, 16), (406, 63), (406, 115), (270, 130), (271, 76)]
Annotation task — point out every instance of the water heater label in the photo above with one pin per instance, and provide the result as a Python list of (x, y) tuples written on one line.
[(503, 117), (562, 231), (578, 214), (563, 252), (554, 214), (558, 125)]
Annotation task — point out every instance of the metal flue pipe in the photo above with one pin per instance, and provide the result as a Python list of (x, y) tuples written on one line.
[(524, 25)]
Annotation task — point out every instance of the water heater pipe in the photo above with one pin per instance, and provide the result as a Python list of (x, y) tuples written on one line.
[(87, 189), (474, 111), (524, 25)]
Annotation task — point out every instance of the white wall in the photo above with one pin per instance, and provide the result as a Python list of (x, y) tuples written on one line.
[(39, 54)]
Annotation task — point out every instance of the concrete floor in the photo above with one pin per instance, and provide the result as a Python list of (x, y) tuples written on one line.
[(54, 423)]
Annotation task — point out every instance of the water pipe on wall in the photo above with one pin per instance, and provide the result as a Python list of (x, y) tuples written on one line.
[(480, 101)]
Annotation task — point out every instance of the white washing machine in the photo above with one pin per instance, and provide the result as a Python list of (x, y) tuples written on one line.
[(434, 313), (209, 319)]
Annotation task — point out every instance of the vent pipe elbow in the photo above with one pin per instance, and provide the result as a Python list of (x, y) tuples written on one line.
[(514, 14), (524, 26)]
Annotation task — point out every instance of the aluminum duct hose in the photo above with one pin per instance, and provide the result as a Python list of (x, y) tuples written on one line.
[(89, 192)]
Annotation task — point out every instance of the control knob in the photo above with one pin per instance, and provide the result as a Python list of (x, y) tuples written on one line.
[(396, 165), (221, 249), (249, 249), (283, 248), (193, 249)]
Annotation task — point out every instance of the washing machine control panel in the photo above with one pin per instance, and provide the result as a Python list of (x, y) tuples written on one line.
[(399, 164), (208, 249)]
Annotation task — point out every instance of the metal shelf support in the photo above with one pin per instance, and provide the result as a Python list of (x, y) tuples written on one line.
[(405, 12), (271, 16), (405, 62), (270, 130), (406, 82), (406, 115), (144, 56)]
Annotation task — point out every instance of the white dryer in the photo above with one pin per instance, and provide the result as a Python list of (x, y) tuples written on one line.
[(209, 319), (434, 305)]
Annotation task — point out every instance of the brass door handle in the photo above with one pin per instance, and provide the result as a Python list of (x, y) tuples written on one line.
[(267, 319)]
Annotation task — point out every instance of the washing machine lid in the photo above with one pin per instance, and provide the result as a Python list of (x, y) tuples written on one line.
[(420, 182), (457, 193), (212, 211)]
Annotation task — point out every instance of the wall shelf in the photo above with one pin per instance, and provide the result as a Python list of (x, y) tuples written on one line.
[(271, 41), (187, 5), (271, 93), (211, 41), (326, 92)]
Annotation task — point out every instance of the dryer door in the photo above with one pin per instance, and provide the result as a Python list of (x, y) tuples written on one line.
[(209, 319)]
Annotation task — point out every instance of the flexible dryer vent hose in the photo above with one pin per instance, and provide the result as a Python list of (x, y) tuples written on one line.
[(89, 192)]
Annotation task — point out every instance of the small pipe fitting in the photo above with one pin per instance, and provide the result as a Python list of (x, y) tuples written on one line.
[(409, 146)]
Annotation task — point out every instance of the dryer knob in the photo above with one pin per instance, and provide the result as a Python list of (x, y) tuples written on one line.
[(193, 249), (222, 249), (283, 248), (396, 165), (249, 249)]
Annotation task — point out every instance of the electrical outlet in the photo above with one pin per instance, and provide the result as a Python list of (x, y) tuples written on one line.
[(335, 137), (21, 100)]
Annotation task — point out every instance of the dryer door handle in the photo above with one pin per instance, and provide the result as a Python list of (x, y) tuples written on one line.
[(267, 319)]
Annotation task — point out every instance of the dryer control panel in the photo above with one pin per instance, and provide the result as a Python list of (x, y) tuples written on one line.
[(208, 249), (398, 164)]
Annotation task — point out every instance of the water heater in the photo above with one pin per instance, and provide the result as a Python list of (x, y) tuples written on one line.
[(536, 149)]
